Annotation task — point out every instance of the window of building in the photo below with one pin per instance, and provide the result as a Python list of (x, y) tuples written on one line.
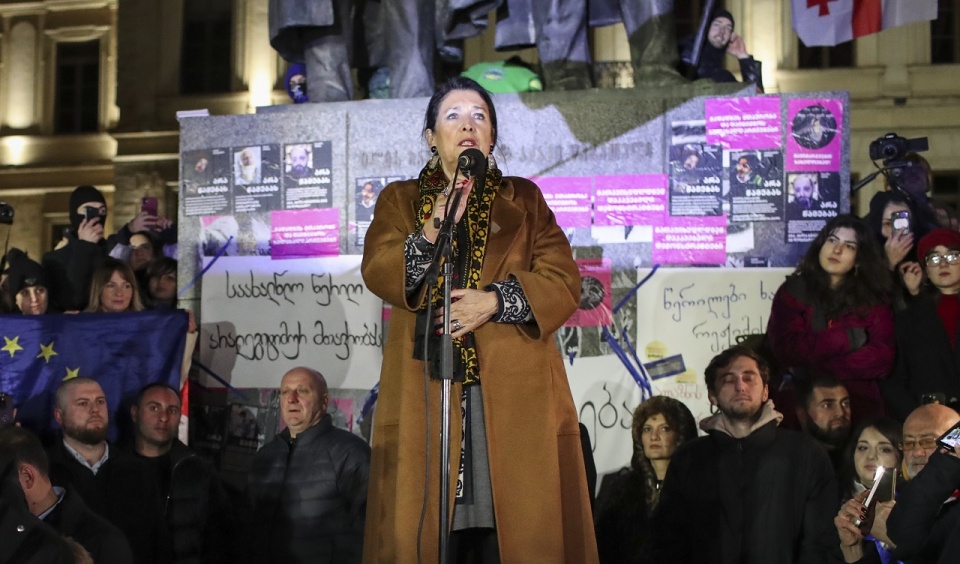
[(944, 43), (838, 56), (205, 55), (77, 97)]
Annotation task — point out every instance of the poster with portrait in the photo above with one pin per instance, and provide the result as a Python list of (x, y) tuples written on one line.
[(815, 137), (813, 198), (695, 171), (256, 178), (755, 180), (205, 188), (595, 308), (307, 179), (367, 190)]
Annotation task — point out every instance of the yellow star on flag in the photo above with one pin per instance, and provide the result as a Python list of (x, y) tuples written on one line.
[(71, 374), (46, 351), (11, 346)]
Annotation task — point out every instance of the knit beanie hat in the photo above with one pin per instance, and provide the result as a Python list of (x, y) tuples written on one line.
[(721, 13), (23, 272), (946, 237), (81, 195)]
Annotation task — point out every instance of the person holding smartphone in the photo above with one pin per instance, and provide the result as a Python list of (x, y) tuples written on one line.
[(69, 267), (928, 359), (916, 527)]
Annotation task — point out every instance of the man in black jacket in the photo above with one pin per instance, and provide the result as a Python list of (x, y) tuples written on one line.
[(61, 509), (722, 41), (113, 483), (749, 492), (24, 539), (308, 487), (196, 507)]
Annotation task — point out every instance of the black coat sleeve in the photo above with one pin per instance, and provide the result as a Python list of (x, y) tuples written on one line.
[(920, 522)]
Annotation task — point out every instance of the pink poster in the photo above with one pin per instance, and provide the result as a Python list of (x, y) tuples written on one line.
[(691, 240), (595, 308), (305, 233), (630, 199), (816, 126), (569, 198), (744, 123)]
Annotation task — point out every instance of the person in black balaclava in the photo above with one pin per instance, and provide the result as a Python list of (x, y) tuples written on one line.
[(720, 42)]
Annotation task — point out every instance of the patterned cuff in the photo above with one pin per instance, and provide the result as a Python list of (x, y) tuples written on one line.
[(417, 252), (512, 304)]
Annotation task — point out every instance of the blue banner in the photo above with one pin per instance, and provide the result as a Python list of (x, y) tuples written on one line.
[(121, 351)]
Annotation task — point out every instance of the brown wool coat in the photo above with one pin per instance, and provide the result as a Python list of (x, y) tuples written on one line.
[(536, 464)]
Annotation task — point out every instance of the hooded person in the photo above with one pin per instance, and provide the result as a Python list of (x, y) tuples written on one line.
[(27, 283), (69, 267), (720, 42)]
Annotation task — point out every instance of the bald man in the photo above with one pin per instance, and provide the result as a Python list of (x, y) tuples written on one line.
[(924, 515), (308, 486)]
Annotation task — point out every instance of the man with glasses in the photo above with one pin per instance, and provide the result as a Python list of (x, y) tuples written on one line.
[(925, 513)]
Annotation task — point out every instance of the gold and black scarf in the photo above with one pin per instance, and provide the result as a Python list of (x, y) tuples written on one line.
[(469, 249)]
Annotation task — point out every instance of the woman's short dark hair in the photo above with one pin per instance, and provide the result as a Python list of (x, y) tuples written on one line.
[(459, 83), (679, 419), (868, 285), (887, 427)]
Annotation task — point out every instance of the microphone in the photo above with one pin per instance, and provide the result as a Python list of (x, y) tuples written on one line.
[(471, 160)]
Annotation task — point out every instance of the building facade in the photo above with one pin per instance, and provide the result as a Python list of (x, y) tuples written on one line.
[(90, 90)]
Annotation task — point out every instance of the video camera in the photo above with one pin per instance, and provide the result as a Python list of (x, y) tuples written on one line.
[(893, 148), (6, 213)]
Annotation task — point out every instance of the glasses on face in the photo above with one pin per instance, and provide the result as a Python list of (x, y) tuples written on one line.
[(951, 258), (925, 444)]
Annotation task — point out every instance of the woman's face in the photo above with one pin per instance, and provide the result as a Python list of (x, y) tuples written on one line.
[(463, 122), (838, 255), (32, 300), (946, 275), (886, 226), (873, 450), (163, 287), (117, 294), (658, 438)]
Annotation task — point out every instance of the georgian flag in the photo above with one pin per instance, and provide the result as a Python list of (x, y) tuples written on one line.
[(829, 22)]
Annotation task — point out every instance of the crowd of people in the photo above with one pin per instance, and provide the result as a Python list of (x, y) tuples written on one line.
[(858, 370)]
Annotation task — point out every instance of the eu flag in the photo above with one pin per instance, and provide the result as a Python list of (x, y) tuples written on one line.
[(121, 351)]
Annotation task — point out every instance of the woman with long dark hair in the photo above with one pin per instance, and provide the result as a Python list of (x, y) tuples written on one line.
[(660, 425), (832, 316)]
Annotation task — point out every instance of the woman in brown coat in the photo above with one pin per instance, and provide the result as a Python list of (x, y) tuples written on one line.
[(520, 494)]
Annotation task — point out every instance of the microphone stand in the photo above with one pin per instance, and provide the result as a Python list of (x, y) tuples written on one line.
[(443, 254)]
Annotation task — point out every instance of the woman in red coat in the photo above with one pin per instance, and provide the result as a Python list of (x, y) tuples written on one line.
[(833, 317)]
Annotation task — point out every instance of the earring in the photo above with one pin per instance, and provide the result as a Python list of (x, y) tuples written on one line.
[(491, 161), (435, 159)]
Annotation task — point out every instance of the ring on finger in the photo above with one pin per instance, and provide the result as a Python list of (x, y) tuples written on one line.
[(456, 325)]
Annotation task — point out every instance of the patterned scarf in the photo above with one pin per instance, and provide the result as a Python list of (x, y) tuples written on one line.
[(469, 249)]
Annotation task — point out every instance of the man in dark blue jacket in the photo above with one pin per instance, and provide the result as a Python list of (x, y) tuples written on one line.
[(308, 486)]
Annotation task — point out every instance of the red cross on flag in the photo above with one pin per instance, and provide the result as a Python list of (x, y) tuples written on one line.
[(829, 22)]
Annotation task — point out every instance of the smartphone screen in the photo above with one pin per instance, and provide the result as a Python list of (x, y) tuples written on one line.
[(886, 490), (149, 205), (877, 483), (951, 439)]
